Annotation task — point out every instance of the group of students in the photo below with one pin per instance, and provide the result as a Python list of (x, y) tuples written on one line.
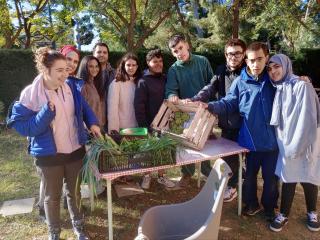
[(269, 110), (259, 101)]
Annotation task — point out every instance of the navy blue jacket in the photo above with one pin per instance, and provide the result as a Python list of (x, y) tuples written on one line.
[(253, 98), (149, 95), (36, 125)]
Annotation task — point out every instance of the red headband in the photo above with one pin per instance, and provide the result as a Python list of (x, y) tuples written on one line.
[(69, 48)]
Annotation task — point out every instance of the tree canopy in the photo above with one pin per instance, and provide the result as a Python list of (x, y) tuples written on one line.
[(138, 24)]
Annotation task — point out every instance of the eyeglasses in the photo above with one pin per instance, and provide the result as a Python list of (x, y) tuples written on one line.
[(234, 54)]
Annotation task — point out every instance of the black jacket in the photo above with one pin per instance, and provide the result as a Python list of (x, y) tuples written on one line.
[(148, 98), (217, 89)]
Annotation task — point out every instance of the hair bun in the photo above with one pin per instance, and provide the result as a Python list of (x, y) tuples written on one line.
[(44, 58)]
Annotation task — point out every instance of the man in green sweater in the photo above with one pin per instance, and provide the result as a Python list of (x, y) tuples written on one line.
[(186, 77)]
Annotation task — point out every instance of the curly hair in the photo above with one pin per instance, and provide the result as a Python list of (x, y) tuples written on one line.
[(45, 57)]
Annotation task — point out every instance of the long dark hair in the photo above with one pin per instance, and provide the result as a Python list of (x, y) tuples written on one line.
[(121, 74), (83, 73)]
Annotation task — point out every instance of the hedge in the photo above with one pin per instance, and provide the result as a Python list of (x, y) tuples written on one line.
[(17, 68)]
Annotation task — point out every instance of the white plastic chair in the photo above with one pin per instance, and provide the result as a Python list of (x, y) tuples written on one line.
[(198, 218)]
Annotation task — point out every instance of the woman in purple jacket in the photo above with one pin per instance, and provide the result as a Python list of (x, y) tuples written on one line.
[(51, 112)]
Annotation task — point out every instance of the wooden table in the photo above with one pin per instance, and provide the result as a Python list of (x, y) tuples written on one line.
[(213, 150)]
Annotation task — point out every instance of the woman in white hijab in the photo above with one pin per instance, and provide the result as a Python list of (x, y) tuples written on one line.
[(296, 117)]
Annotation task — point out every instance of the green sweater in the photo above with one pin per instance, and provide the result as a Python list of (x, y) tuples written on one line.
[(186, 79)]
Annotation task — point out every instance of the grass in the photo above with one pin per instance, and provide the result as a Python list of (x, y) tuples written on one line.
[(19, 180)]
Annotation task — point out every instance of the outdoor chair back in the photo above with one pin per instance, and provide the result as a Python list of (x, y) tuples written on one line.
[(198, 218)]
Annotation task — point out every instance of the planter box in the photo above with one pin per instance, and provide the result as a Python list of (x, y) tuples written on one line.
[(196, 135), (129, 161)]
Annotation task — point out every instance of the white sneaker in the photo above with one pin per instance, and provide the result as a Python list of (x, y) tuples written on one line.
[(166, 182), (146, 182), (230, 194)]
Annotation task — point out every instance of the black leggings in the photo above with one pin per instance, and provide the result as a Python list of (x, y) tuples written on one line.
[(287, 195)]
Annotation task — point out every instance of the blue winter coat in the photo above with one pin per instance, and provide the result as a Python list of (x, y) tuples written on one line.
[(36, 125), (253, 99)]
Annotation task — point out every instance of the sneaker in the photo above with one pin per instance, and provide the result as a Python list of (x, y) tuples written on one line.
[(184, 181), (230, 194), (78, 229), (251, 211), (146, 182), (279, 221), (166, 182), (312, 222)]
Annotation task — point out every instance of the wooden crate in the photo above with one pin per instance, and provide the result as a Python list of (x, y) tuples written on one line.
[(199, 130)]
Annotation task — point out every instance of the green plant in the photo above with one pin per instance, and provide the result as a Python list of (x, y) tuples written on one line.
[(177, 121), (135, 153)]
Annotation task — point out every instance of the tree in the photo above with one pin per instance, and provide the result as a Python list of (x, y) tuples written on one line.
[(295, 23), (25, 13), (5, 25), (133, 21), (38, 22), (236, 19), (84, 30), (292, 24)]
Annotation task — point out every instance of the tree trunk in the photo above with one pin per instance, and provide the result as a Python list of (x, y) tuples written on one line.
[(9, 42), (27, 30), (236, 21), (133, 17)]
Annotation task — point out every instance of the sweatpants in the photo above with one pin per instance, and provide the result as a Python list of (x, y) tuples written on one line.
[(287, 195), (53, 178), (267, 162)]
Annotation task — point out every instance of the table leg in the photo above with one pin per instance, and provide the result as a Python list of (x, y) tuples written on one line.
[(198, 166), (109, 199), (240, 185)]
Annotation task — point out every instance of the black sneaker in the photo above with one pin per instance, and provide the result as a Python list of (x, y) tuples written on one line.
[(278, 223), (251, 211), (312, 222)]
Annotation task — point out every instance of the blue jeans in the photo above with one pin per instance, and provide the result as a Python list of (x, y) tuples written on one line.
[(270, 193)]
